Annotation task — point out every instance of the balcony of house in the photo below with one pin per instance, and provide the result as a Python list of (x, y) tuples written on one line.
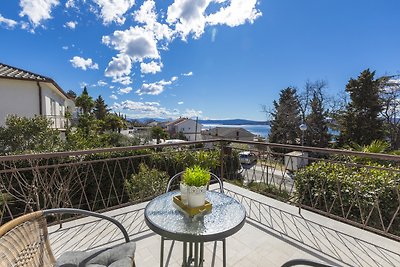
[(58, 122), (332, 206)]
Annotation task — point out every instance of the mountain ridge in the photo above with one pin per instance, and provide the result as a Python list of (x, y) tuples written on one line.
[(222, 121)]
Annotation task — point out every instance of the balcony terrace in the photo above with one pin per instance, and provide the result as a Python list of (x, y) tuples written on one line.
[(285, 222)]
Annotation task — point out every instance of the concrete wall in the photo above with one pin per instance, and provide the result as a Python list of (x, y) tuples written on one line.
[(21, 98), (188, 127)]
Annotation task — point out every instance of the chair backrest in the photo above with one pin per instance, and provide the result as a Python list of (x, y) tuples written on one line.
[(24, 242), (177, 177), (303, 262)]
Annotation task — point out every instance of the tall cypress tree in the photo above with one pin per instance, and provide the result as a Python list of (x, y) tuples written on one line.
[(317, 127), (100, 108), (286, 118), (360, 123)]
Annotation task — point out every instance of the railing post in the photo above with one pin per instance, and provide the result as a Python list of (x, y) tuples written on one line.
[(221, 158)]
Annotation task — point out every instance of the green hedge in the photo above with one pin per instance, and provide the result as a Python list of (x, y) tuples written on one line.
[(352, 192)]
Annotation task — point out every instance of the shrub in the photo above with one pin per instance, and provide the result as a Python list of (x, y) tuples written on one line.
[(362, 194), (146, 183)]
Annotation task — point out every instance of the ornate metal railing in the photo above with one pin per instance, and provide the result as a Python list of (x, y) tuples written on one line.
[(358, 188)]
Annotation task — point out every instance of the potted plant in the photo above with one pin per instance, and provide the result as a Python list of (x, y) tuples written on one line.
[(196, 180)]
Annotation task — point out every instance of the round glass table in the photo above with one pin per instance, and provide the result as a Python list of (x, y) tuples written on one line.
[(226, 218)]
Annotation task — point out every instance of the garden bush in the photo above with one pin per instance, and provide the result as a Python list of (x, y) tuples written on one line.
[(147, 183), (361, 194)]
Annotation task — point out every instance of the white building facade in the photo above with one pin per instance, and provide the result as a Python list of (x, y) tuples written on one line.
[(27, 94), (190, 128)]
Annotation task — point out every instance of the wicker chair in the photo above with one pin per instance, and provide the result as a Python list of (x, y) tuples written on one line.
[(303, 262), (24, 242)]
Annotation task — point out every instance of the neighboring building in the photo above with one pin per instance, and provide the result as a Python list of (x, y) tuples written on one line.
[(25, 94), (235, 133), (188, 127)]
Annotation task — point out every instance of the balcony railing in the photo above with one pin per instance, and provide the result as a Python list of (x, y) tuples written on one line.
[(361, 189), (58, 121)]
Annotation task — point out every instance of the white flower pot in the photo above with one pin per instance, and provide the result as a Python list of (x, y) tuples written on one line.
[(184, 193), (196, 196)]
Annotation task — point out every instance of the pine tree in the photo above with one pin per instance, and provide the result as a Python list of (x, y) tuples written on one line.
[(100, 109), (286, 118), (317, 127), (360, 123)]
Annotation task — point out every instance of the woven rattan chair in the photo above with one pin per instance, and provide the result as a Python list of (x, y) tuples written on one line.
[(303, 262), (24, 242)]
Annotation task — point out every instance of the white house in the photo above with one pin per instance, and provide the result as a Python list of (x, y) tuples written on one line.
[(190, 128), (235, 133), (25, 94)]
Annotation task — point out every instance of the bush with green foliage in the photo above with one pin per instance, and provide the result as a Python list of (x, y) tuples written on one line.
[(147, 183), (196, 176), (25, 135), (174, 161), (352, 192)]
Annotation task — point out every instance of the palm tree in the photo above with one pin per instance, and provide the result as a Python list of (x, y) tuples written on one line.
[(158, 133), (85, 102), (115, 122)]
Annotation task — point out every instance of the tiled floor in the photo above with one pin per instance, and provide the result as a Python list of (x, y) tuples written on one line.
[(273, 234)]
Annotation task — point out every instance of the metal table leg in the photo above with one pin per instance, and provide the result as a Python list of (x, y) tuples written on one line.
[(224, 252), (162, 252)]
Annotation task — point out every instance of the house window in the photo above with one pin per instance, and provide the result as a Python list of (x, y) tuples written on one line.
[(52, 107)]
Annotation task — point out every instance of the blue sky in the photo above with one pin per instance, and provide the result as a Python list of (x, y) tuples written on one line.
[(214, 59)]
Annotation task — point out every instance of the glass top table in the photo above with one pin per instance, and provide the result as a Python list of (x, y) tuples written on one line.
[(226, 217)]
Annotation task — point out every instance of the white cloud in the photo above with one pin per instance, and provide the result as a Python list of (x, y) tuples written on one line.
[(152, 109), (83, 84), (190, 73), (180, 103), (190, 113), (114, 10), (235, 14), (125, 80), (7, 23), (155, 88), (84, 64), (147, 15), (126, 90), (188, 17), (140, 109), (70, 3), (65, 47), (100, 83), (135, 42), (114, 97), (119, 67), (151, 67), (37, 10), (71, 24)]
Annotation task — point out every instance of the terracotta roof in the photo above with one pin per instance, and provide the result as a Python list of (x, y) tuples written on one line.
[(176, 121), (9, 72)]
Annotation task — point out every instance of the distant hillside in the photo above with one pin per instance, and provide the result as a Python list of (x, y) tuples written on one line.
[(234, 122), (224, 122)]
